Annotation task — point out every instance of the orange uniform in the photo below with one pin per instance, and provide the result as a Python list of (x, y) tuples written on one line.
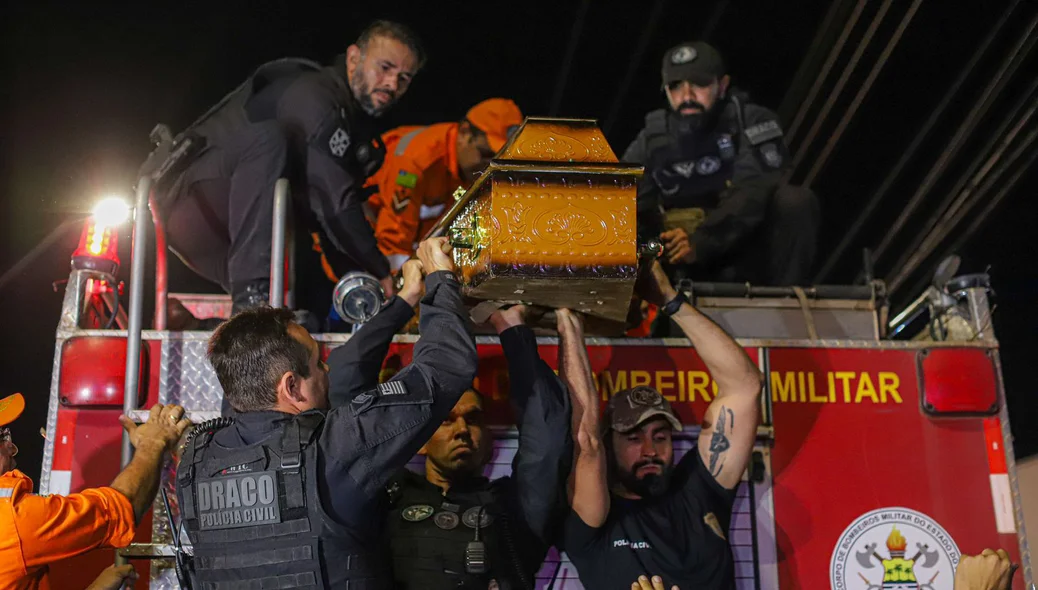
[(38, 530), (420, 174), (415, 184)]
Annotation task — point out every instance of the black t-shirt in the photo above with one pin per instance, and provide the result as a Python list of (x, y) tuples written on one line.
[(672, 536)]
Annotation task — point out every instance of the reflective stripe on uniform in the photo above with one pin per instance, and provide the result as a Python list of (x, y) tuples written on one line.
[(6, 492), (401, 146), (431, 211)]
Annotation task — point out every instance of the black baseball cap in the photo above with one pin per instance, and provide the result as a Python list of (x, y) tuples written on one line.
[(631, 408), (695, 61)]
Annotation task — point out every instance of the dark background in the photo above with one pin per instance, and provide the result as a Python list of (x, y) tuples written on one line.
[(83, 84)]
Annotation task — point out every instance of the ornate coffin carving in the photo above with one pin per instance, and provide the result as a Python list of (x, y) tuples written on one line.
[(551, 222)]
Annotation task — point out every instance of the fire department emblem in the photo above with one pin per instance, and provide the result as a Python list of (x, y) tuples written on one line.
[(894, 549)]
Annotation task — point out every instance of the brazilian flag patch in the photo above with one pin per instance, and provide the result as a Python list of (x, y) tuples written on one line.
[(407, 179)]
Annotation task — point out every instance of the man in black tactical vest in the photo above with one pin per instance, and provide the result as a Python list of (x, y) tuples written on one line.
[(292, 118), (451, 527), (712, 188), (288, 494)]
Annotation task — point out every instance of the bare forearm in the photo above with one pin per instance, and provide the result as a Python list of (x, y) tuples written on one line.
[(140, 480), (575, 372), (730, 423), (727, 362), (589, 489)]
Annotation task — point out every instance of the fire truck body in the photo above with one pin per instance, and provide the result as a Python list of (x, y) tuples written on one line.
[(878, 463)]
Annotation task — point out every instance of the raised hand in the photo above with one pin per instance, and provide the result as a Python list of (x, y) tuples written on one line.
[(162, 431), (655, 287), (413, 286), (991, 570), (435, 254)]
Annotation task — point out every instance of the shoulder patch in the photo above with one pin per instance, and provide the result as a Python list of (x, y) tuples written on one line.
[(334, 137), (339, 142), (391, 393), (771, 154), (392, 388), (762, 132), (407, 179)]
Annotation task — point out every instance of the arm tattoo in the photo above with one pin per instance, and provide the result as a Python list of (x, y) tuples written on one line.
[(719, 443)]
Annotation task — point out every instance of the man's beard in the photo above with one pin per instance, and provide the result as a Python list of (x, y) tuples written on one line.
[(362, 92), (703, 118), (652, 485), (691, 104)]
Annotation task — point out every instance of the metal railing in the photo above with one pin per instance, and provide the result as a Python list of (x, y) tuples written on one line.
[(135, 312), (277, 243), (161, 272)]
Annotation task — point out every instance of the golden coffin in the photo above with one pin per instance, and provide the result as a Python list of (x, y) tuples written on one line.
[(551, 222)]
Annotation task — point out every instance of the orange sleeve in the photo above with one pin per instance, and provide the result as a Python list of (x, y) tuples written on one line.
[(374, 202), (55, 527), (396, 227)]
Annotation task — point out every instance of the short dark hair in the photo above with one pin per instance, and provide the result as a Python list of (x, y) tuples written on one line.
[(396, 31), (251, 351)]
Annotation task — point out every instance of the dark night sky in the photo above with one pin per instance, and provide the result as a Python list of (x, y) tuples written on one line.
[(83, 84)]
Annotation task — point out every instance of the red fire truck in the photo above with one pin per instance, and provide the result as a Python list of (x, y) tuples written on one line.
[(883, 455)]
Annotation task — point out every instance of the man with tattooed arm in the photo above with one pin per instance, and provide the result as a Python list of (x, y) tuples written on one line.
[(634, 511)]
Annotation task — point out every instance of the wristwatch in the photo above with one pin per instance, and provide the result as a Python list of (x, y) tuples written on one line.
[(674, 305)]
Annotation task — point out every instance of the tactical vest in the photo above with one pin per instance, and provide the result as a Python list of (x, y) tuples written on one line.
[(691, 168), (255, 519), (229, 115), (430, 536)]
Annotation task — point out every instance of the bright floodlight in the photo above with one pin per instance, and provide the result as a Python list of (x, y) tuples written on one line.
[(111, 211)]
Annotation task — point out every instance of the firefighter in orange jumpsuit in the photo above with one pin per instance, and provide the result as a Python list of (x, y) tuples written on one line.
[(425, 165), (38, 530)]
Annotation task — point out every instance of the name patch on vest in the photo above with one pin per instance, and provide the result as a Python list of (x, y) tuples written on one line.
[(762, 132), (236, 501)]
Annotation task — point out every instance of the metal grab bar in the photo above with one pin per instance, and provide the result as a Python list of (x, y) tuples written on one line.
[(136, 311), (161, 272), (277, 244), (851, 292)]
